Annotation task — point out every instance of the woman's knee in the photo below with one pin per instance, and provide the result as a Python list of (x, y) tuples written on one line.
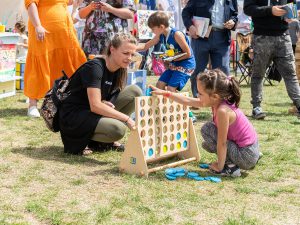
[(133, 91), (117, 131)]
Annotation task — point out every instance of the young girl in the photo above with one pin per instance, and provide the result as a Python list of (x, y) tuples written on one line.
[(180, 69), (230, 135), (22, 45)]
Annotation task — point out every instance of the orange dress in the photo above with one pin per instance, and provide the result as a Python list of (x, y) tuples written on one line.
[(59, 51)]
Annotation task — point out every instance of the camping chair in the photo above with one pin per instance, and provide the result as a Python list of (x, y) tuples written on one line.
[(244, 56)]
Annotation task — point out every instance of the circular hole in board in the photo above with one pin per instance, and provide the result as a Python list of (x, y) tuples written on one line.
[(172, 137), (178, 108), (165, 139), (157, 151), (184, 107), (150, 122), (150, 101), (171, 118), (171, 109), (164, 120), (172, 127), (158, 140), (184, 125), (142, 102), (150, 131), (157, 101), (156, 111), (178, 117), (143, 133), (150, 142), (157, 130), (150, 112), (143, 143), (172, 147), (184, 116), (165, 129), (165, 100), (178, 126), (164, 110), (143, 123)]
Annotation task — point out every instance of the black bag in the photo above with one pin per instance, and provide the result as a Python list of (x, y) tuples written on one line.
[(53, 99), (273, 73)]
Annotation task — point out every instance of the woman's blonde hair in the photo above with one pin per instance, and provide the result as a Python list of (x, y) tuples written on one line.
[(116, 42)]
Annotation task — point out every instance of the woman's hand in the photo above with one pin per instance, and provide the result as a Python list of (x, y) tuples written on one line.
[(157, 91), (105, 7), (94, 5), (130, 123), (229, 24), (108, 103), (40, 33)]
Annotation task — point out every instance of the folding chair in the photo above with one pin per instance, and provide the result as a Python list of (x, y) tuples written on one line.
[(244, 57)]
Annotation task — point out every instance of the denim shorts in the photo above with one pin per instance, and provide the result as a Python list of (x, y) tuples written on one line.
[(174, 78)]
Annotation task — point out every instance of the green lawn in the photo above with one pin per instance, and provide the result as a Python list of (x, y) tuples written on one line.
[(39, 184)]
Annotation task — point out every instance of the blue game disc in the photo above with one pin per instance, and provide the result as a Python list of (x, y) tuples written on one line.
[(198, 178), (207, 178), (148, 91), (215, 179), (192, 174), (170, 171), (204, 166), (179, 174), (169, 177), (180, 170)]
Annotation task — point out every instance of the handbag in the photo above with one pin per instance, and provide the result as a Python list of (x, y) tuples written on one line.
[(273, 73)]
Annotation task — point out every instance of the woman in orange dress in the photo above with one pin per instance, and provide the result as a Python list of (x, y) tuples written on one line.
[(52, 47)]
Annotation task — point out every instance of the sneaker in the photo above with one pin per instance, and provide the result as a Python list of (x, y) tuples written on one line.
[(33, 112), (258, 114), (97, 146), (229, 171)]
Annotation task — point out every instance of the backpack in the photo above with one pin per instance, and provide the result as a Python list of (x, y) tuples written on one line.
[(53, 100), (158, 66), (273, 73)]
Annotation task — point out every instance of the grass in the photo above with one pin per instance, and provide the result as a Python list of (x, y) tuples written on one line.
[(39, 184)]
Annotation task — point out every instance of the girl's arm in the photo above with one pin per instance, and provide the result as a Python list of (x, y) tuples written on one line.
[(147, 45), (180, 39), (184, 100), (105, 108), (223, 125), (122, 13), (35, 20)]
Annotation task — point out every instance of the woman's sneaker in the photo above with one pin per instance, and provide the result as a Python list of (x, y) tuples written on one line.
[(229, 171), (33, 112), (258, 113)]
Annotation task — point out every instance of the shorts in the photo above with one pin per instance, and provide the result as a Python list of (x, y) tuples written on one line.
[(174, 78)]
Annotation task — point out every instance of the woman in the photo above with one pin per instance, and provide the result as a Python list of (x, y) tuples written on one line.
[(100, 110), (103, 20), (52, 47)]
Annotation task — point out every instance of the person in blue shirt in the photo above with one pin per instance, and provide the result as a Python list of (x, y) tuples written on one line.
[(180, 69), (223, 15)]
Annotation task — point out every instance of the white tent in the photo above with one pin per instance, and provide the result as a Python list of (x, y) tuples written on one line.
[(11, 11)]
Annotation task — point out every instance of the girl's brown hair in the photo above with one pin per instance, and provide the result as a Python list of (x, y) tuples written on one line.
[(216, 82), (158, 18), (20, 25), (116, 42)]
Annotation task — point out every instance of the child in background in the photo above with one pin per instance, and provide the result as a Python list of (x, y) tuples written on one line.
[(230, 135), (22, 45), (180, 70)]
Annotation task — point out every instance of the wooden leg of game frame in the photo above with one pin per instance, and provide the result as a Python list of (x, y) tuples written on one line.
[(193, 145), (133, 160), (174, 164)]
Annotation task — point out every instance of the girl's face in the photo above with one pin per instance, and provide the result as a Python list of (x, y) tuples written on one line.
[(123, 54), (17, 30), (206, 99), (158, 30)]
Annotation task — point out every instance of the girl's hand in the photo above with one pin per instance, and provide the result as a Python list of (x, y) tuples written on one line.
[(131, 124), (40, 33), (214, 166), (157, 91), (109, 104)]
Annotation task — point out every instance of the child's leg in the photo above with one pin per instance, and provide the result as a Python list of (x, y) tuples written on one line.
[(164, 79), (210, 135), (245, 158)]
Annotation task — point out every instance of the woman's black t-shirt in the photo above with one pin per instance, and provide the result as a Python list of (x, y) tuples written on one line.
[(77, 122)]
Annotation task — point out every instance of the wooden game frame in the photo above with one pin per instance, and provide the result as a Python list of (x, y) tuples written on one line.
[(164, 130)]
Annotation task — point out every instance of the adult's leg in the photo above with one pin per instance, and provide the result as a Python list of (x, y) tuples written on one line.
[(262, 47), (285, 63), (201, 51), (125, 101), (219, 53)]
